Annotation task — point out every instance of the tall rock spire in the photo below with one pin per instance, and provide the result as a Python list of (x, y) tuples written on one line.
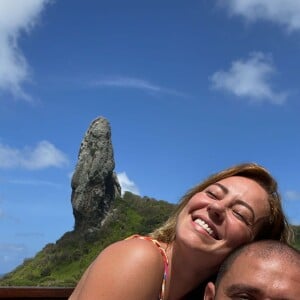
[(94, 183)]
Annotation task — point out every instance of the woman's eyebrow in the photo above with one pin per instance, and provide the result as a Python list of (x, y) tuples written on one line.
[(222, 187)]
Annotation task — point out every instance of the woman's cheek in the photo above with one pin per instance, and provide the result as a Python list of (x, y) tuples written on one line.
[(239, 236)]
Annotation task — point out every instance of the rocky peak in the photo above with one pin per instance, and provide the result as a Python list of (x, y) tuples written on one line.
[(94, 183)]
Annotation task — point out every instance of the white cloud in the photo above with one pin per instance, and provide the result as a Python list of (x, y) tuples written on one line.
[(283, 12), (42, 156), (127, 82), (11, 255), (292, 195), (249, 78), (16, 17), (11, 247), (30, 234), (127, 184)]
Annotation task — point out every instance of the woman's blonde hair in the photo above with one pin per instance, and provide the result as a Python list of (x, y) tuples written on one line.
[(275, 227)]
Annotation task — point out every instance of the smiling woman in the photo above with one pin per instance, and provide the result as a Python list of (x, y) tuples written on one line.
[(229, 209), (224, 215)]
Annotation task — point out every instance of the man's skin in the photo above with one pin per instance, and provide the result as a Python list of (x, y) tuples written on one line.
[(271, 276)]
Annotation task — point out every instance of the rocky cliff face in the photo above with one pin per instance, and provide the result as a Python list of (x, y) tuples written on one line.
[(94, 183)]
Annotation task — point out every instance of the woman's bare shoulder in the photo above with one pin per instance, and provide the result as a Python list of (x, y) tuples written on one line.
[(133, 249), (120, 268)]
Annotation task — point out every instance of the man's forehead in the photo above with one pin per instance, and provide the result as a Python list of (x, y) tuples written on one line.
[(273, 263), (263, 276)]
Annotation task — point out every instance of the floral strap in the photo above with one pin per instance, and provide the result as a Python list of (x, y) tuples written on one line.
[(165, 259)]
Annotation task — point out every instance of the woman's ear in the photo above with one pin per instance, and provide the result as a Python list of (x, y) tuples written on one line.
[(209, 292)]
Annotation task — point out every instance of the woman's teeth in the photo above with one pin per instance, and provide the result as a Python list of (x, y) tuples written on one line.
[(204, 226)]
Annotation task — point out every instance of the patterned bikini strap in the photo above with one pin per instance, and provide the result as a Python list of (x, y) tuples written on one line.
[(165, 259)]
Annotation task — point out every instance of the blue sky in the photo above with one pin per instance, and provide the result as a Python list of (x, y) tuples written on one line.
[(189, 88)]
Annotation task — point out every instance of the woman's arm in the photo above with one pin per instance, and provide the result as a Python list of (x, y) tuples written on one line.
[(129, 269)]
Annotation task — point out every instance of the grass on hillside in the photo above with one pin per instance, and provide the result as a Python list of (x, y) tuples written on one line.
[(63, 263)]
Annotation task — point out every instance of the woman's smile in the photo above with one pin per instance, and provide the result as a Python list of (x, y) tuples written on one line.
[(208, 227)]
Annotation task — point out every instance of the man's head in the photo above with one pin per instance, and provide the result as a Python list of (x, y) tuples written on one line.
[(260, 270)]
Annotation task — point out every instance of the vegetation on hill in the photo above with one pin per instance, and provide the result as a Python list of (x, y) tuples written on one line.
[(297, 236), (62, 263)]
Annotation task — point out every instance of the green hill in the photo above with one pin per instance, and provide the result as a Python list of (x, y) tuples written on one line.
[(297, 236), (62, 263)]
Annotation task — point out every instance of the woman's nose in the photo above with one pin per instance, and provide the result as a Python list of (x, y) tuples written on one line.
[(216, 211)]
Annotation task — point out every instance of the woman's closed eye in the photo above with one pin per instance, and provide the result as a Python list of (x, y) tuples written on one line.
[(242, 216), (211, 194), (214, 194)]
